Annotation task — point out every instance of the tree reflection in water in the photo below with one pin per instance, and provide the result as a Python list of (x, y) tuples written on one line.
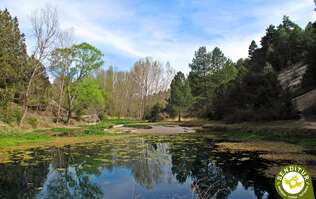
[(162, 166)]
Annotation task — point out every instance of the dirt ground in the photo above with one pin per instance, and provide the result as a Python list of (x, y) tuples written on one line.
[(158, 129)]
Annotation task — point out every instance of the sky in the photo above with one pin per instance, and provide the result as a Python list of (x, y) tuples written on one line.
[(166, 30)]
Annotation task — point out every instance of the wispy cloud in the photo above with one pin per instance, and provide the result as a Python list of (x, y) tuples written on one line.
[(166, 30)]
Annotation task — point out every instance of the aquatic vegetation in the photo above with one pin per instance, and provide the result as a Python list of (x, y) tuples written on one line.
[(14, 139), (185, 164)]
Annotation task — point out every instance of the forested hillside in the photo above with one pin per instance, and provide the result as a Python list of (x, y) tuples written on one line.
[(250, 90)]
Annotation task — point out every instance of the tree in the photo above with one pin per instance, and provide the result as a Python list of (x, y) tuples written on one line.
[(282, 46), (90, 97), (45, 29), (13, 56), (85, 59), (14, 63), (71, 66), (61, 60), (180, 94), (59, 63), (105, 79), (199, 74), (148, 79), (252, 48), (257, 96), (309, 78), (218, 60), (208, 71), (155, 113)]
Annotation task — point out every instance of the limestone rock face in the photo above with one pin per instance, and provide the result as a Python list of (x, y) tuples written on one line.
[(305, 101), (292, 77)]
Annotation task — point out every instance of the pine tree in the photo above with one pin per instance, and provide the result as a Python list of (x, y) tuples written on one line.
[(180, 94), (13, 64), (13, 56), (252, 48)]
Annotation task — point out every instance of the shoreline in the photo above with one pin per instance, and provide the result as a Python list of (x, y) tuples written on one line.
[(286, 131)]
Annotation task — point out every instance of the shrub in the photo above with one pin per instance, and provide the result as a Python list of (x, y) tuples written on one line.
[(32, 121), (10, 114), (155, 113)]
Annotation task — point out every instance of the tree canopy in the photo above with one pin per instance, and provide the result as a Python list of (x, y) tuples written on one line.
[(180, 94)]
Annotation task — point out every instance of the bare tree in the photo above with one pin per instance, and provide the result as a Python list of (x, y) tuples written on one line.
[(45, 29), (150, 78), (64, 41), (130, 93)]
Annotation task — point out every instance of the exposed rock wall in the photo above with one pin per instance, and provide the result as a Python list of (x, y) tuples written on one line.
[(305, 101), (292, 77)]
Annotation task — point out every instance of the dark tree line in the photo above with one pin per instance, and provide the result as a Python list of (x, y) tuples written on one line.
[(249, 90), (256, 95), (16, 68)]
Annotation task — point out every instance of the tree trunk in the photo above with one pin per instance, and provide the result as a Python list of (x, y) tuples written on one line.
[(69, 105), (179, 116), (26, 96), (60, 99), (68, 116)]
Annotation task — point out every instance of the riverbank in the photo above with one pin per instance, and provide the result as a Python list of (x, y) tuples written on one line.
[(297, 131), (16, 138), (277, 146)]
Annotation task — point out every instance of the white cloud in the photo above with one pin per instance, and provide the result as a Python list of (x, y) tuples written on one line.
[(119, 27)]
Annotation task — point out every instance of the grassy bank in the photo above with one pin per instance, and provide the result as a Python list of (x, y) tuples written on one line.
[(298, 132), (17, 138), (289, 131)]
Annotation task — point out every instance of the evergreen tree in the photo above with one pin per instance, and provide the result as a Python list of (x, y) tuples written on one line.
[(309, 78), (208, 71), (14, 65), (218, 60), (252, 48), (180, 94), (200, 71), (13, 56)]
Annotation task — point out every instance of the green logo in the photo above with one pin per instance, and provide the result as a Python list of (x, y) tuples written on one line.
[(294, 182)]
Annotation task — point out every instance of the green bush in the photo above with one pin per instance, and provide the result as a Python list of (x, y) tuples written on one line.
[(33, 121), (10, 114), (155, 114)]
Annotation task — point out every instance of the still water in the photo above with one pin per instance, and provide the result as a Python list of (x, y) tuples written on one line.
[(162, 167)]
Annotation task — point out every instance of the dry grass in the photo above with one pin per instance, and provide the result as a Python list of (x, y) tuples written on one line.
[(279, 152), (260, 146), (272, 170)]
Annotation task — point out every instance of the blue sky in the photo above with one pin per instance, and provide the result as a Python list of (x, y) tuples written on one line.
[(167, 30)]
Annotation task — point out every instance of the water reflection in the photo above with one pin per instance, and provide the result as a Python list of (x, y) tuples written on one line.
[(181, 166)]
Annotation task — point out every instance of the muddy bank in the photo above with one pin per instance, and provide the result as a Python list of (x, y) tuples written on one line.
[(157, 129), (277, 131), (278, 153)]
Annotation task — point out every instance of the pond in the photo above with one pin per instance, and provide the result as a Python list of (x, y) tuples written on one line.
[(165, 166)]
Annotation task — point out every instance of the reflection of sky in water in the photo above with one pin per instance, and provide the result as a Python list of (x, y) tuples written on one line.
[(242, 192), (120, 183)]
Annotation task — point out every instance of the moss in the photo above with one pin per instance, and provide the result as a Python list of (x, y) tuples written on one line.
[(20, 138)]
